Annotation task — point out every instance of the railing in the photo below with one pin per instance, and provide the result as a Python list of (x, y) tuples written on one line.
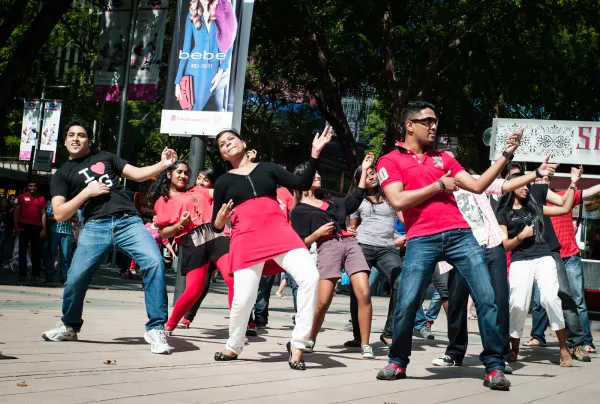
[(13, 163)]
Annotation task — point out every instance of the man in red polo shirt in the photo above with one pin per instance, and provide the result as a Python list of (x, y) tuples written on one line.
[(420, 182), (571, 257), (30, 226)]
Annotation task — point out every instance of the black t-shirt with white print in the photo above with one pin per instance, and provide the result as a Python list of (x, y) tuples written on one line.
[(529, 248), (70, 179)]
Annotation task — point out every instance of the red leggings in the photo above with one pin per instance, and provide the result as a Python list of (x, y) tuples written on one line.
[(194, 283)]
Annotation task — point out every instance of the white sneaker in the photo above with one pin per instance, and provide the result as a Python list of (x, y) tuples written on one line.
[(367, 352), (158, 341), (60, 333)]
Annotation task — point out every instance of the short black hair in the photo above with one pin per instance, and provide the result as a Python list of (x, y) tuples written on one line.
[(80, 122), (413, 108), (513, 165)]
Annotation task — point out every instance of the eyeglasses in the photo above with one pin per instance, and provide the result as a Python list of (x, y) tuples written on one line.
[(426, 121)]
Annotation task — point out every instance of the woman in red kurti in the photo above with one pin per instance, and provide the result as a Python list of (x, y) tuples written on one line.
[(262, 240), (186, 215)]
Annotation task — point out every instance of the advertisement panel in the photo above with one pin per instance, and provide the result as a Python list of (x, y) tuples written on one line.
[(203, 72), (29, 131), (566, 142)]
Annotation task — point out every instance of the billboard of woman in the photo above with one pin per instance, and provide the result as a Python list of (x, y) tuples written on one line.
[(199, 92)]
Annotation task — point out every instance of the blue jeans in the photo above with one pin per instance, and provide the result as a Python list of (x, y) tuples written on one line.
[(460, 249), (574, 267), (97, 237), (64, 243), (435, 305), (539, 318), (261, 307)]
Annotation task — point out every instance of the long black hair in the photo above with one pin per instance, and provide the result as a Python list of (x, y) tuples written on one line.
[(530, 205), (299, 170), (379, 195), (162, 186)]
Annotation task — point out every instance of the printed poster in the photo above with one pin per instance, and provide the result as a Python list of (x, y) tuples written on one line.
[(29, 130)]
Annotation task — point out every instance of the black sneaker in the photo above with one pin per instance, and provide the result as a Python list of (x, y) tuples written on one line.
[(445, 360), (495, 380), (251, 330)]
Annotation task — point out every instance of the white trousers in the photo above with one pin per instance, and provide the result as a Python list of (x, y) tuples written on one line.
[(300, 265), (521, 278)]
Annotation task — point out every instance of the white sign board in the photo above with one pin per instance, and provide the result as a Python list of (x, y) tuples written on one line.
[(566, 142)]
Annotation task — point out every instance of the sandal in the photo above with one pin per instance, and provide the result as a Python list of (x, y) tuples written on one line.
[(589, 349), (566, 364), (300, 365), (472, 317), (533, 342), (223, 357), (383, 339)]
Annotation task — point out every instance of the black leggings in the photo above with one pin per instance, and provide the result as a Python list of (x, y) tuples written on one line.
[(388, 262)]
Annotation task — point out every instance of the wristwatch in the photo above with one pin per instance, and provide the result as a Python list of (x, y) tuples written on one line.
[(507, 155), (538, 174), (573, 187)]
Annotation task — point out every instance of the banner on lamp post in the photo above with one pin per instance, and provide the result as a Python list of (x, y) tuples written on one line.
[(29, 130), (206, 66), (146, 49), (51, 126), (110, 65)]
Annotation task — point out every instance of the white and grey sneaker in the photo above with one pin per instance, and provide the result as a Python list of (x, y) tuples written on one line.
[(445, 361), (60, 333), (425, 332), (158, 341), (367, 352)]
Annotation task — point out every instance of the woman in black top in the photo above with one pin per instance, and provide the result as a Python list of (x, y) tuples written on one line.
[(324, 222), (520, 215), (262, 240)]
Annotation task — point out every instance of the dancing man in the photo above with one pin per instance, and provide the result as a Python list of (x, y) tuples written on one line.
[(90, 181), (420, 181)]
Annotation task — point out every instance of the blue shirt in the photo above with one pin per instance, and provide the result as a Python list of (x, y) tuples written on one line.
[(62, 227)]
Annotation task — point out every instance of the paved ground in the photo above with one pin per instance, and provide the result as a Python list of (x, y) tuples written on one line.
[(75, 372)]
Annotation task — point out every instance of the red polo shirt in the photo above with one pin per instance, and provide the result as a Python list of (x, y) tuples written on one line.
[(565, 232), (31, 208), (439, 213)]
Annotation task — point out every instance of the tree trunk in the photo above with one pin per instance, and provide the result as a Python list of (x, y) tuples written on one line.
[(18, 68), (329, 100)]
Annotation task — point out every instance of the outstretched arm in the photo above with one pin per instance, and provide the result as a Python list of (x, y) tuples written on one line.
[(586, 193), (141, 174), (545, 169)]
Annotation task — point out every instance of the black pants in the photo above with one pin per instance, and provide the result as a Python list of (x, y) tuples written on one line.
[(495, 259), (388, 262), (190, 315), (30, 238)]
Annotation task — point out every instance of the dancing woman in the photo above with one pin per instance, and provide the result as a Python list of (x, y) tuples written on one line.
[(185, 216), (374, 222), (520, 215), (324, 222), (262, 235)]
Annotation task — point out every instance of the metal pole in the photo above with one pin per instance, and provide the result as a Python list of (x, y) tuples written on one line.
[(124, 91), (242, 57), (38, 138), (126, 77), (197, 156)]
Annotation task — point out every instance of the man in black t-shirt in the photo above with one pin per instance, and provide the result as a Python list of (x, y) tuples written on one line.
[(90, 181)]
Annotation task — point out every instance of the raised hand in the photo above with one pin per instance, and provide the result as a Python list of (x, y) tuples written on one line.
[(96, 188), (449, 183), (368, 161), (224, 215), (575, 174), (168, 157), (547, 169), (251, 155), (320, 140), (513, 141)]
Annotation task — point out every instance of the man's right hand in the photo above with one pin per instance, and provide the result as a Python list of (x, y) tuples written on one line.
[(547, 169), (96, 188), (449, 183), (326, 229)]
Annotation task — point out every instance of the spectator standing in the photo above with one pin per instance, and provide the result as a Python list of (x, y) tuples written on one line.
[(60, 238), (30, 225)]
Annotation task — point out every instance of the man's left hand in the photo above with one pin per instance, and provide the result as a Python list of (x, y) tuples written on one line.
[(513, 141)]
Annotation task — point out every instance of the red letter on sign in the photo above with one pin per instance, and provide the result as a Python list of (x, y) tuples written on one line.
[(597, 138), (584, 137)]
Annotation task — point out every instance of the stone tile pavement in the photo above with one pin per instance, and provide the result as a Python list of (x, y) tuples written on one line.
[(75, 372)]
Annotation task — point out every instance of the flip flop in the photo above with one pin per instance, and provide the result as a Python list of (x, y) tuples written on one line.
[(532, 342), (472, 317)]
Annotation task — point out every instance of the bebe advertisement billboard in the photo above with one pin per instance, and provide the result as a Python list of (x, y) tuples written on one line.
[(204, 70), (566, 142)]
